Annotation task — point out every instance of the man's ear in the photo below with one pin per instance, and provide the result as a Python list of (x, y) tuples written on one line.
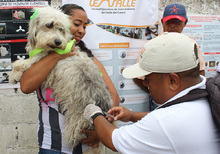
[(174, 81), (162, 24), (186, 21)]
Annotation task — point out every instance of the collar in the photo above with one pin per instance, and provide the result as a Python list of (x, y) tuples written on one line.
[(59, 51), (200, 85)]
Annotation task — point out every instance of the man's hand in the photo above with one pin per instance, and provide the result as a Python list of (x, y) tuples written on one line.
[(125, 115), (120, 113)]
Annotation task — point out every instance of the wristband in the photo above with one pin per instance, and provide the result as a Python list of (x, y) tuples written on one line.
[(95, 115)]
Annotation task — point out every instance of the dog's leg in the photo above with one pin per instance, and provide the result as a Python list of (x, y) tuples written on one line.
[(75, 122), (98, 150), (19, 66)]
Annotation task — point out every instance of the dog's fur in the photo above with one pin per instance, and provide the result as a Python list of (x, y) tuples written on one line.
[(76, 80)]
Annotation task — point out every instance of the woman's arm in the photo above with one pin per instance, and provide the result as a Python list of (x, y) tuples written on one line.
[(108, 82), (92, 138), (37, 73)]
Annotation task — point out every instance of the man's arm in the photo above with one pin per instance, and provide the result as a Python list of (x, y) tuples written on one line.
[(103, 128)]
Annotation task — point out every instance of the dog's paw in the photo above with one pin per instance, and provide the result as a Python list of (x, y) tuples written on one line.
[(14, 77), (12, 80)]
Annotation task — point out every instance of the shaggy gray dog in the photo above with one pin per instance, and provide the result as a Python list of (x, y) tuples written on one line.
[(76, 80)]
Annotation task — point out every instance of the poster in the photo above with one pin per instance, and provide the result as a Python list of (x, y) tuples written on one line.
[(205, 30), (116, 35), (14, 18)]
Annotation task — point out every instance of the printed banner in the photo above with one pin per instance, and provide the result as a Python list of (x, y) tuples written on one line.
[(14, 18), (123, 13), (205, 30), (117, 31)]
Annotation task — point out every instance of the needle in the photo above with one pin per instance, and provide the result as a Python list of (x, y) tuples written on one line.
[(108, 114)]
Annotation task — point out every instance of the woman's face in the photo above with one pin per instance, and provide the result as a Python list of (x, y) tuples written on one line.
[(78, 24)]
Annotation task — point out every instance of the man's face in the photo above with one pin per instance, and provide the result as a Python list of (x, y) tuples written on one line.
[(174, 25), (157, 87)]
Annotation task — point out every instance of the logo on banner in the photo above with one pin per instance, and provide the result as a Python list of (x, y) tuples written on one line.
[(112, 3)]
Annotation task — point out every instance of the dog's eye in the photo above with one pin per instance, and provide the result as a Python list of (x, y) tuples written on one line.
[(49, 25), (61, 29)]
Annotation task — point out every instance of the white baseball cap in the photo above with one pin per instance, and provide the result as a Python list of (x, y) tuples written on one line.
[(168, 53)]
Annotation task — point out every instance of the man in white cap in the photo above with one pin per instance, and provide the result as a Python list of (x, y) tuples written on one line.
[(183, 123), (174, 20)]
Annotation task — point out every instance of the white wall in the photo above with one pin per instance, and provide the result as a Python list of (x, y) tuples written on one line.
[(18, 112)]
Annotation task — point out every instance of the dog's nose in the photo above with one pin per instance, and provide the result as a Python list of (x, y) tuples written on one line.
[(57, 42)]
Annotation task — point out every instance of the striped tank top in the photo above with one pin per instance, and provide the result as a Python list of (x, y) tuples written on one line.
[(51, 125)]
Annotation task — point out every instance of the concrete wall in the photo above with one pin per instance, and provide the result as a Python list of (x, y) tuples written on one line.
[(18, 112)]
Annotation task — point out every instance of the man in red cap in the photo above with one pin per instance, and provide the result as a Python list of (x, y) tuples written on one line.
[(174, 20)]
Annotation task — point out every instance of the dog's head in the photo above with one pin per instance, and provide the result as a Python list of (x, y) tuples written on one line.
[(48, 29)]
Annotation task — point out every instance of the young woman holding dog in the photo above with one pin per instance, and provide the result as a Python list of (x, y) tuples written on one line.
[(51, 121)]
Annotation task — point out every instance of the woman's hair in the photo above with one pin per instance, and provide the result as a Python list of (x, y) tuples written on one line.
[(69, 10)]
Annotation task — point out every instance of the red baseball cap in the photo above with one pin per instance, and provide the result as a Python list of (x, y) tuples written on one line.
[(174, 11)]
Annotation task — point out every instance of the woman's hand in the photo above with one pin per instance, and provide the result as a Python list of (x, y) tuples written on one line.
[(92, 138), (63, 56)]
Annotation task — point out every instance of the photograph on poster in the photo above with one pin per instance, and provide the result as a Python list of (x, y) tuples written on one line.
[(127, 85), (121, 68), (127, 54), (122, 54), (145, 33), (4, 77), (5, 51), (2, 28), (122, 99), (5, 64), (18, 14), (211, 63)]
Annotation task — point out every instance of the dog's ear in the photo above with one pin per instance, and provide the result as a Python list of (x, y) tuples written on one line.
[(32, 32)]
